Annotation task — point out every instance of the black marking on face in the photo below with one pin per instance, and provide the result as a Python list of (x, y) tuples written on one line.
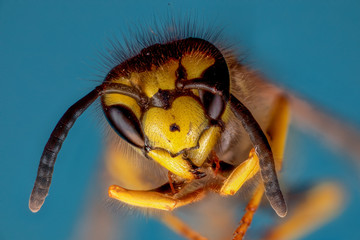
[(162, 99), (174, 127), (159, 54), (181, 73)]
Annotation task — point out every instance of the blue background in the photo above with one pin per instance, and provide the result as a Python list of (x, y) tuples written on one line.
[(48, 59)]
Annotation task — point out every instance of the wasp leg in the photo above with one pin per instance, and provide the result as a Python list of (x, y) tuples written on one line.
[(163, 200), (320, 205), (154, 199), (241, 174), (181, 228), (251, 208)]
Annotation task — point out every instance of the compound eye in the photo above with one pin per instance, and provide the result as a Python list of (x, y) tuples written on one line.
[(126, 124), (213, 104), (216, 76)]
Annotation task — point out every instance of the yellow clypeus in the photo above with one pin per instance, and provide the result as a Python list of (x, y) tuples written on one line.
[(176, 128)]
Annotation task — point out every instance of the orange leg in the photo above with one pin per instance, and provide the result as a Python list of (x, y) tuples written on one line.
[(178, 226), (153, 198), (249, 213), (171, 183)]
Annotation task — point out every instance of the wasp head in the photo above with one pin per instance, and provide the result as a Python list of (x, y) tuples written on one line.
[(183, 89)]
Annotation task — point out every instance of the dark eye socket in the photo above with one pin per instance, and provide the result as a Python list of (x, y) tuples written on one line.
[(213, 104), (125, 123)]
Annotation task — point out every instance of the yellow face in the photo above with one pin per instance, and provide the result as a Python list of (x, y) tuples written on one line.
[(178, 127)]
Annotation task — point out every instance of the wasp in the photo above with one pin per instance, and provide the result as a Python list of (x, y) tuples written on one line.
[(200, 116)]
